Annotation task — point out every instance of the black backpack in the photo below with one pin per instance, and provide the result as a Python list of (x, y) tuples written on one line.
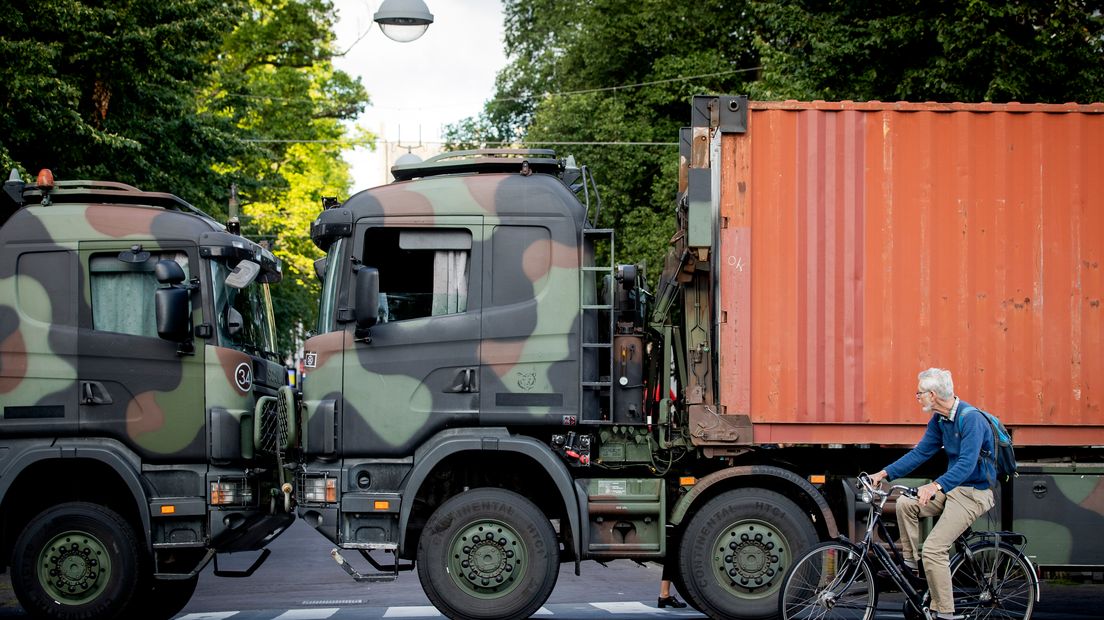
[(1004, 459)]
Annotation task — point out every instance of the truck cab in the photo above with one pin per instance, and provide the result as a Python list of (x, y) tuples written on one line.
[(140, 397), (476, 345)]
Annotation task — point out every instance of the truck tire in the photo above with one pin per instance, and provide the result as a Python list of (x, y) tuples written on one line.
[(680, 586), (488, 553), (75, 561), (736, 550)]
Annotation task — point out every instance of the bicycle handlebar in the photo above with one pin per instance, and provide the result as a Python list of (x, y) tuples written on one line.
[(867, 485)]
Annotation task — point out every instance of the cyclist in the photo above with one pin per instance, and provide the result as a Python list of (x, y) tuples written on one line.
[(959, 496)]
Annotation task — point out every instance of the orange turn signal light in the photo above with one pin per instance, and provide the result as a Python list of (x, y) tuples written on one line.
[(168, 509), (818, 478), (687, 481), (381, 504)]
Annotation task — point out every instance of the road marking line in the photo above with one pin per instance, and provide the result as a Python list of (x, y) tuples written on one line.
[(633, 607), (335, 601), (543, 611), (414, 611), (307, 614), (208, 615)]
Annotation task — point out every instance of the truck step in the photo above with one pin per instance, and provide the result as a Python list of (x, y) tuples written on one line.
[(383, 574)]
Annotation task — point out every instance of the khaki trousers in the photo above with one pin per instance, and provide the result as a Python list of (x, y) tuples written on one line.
[(957, 510)]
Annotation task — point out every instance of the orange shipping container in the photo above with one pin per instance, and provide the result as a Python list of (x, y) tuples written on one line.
[(863, 242)]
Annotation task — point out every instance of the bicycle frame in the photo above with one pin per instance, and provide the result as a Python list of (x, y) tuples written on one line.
[(882, 557), (989, 572), (889, 563)]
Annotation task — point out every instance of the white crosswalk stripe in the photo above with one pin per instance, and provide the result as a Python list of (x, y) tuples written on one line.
[(422, 611), (629, 607), (633, 610), (307, 614)]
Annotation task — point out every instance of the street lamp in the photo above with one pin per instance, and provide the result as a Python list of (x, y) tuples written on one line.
[(403, 20)]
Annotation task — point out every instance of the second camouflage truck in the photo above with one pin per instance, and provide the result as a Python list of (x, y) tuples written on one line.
[(139, 398), (489, 394)]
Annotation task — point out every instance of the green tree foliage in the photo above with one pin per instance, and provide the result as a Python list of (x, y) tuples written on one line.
[(921, 50), (107, 91), (274, 82), (572, 48), (189, 97), (632, 60)]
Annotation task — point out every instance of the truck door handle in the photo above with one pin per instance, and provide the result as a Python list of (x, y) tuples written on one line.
[(94, 393), (465, 382)]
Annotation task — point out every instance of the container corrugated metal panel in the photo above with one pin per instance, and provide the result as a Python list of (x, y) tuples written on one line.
[(865, 242)]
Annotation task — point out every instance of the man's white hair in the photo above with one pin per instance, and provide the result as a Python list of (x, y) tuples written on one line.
[(937, 380)]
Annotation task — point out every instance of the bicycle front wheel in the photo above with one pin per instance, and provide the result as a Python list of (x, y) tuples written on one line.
[(831, 581), (997, 583)]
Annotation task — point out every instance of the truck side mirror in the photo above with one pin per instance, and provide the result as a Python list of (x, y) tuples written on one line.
[(173, 318), (244, 273), (174, 322), (234, 322), (367, 297), (168, 272)]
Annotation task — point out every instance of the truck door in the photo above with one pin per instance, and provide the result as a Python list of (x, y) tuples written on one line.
[(38, 340), (419, 373), (134, 386), (530, 372)]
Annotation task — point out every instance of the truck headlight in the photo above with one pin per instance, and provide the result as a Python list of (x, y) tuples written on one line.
[(320, 490), (231, 492)]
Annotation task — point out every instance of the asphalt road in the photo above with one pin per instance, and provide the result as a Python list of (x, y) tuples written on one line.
[(300, 582)]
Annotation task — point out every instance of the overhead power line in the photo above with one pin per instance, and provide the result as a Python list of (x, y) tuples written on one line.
[(585, 143), (553, 143), (583, 91), (626, 86)]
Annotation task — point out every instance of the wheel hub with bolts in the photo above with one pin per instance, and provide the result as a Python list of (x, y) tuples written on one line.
[(73, 568), (750, 557), (487, 558)]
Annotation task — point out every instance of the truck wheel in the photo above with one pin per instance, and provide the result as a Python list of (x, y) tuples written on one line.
[(737, 549), (680, 585), (75, 561), (488, 553)]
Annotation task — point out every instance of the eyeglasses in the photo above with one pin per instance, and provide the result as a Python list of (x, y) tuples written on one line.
[(919, 394)]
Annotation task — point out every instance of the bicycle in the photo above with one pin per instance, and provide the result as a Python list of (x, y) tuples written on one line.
[(990, 575)]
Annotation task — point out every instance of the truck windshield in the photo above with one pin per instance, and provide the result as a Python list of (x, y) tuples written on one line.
[(329, 288), (244, 316)]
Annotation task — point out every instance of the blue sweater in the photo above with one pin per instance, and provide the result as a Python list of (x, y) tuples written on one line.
[(963, 439)]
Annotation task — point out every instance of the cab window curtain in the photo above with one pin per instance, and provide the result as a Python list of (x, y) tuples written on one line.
[(450, 282)]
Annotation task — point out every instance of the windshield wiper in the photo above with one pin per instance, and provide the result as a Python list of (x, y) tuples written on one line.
[(255, 350)]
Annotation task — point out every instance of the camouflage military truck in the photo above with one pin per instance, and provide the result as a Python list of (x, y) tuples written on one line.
[(489, 394), (139, 398)]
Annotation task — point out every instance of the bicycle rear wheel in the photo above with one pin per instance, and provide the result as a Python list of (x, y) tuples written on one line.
[(999, 584), (830, 581)]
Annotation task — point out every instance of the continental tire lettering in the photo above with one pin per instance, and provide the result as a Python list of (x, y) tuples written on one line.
[(493, 523), (731, 526)]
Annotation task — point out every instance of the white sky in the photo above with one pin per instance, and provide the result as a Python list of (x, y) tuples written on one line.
[(421, 86)]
